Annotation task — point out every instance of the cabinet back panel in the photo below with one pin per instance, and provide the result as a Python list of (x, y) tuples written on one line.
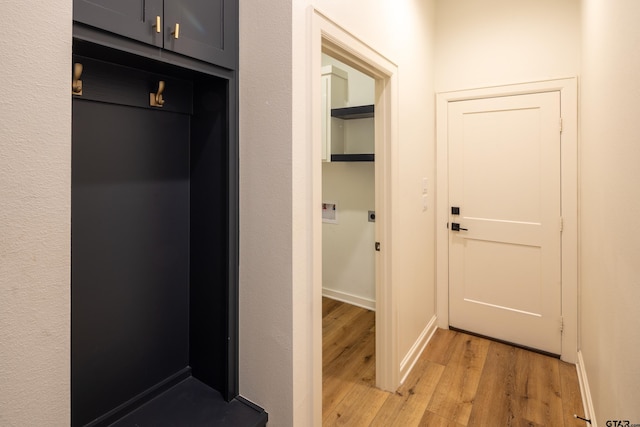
[(130, 253)]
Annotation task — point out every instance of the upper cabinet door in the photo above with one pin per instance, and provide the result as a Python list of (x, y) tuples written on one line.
[(207, 30), (136, 19)]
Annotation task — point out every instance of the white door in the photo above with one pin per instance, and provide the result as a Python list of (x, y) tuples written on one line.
[(505, 259)]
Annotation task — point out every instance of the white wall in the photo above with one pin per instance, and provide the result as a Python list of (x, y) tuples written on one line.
[(276, 250), (35, 212), (610, 204), (498, 42), (348, 262)]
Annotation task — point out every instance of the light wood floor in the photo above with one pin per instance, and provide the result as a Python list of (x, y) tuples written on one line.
[(460, 380)]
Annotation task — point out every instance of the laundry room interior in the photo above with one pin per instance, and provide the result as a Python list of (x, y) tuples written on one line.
[(348, 185)]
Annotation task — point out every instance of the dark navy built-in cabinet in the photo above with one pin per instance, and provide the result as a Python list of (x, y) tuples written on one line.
[(155, 215), (202, 29)]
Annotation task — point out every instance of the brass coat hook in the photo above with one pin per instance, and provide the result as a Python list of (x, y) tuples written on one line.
[(76, 84), (155, 99)]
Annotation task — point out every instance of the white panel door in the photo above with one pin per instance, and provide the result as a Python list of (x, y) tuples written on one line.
[(505, 260)]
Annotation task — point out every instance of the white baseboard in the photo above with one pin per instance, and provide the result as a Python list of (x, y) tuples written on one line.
[(417, 348), (369, 304), (585, 391)]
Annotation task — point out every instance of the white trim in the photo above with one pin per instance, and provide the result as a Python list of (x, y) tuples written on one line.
[(356, 300), (329, 37), (417, 348), (585, 391), (569, 166)]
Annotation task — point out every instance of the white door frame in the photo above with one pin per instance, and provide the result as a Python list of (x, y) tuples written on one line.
[(569, 187), (330, 38)]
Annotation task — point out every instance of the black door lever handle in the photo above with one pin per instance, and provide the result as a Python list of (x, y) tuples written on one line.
[(456, 227)]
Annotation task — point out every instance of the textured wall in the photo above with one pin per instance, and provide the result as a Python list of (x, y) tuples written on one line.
[(610, 203), (35, 212), (266, 343)]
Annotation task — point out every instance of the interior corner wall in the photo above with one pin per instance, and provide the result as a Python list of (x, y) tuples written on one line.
[(499, 42), (35, 194), (609, 204)]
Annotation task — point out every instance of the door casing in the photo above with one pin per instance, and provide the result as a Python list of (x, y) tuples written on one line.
[(569, 189)]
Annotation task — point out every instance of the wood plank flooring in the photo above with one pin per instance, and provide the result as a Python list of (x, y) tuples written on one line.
[(459, 380)]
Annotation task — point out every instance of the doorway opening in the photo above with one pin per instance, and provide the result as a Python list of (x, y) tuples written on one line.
[(334, 41), (348, 230)]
